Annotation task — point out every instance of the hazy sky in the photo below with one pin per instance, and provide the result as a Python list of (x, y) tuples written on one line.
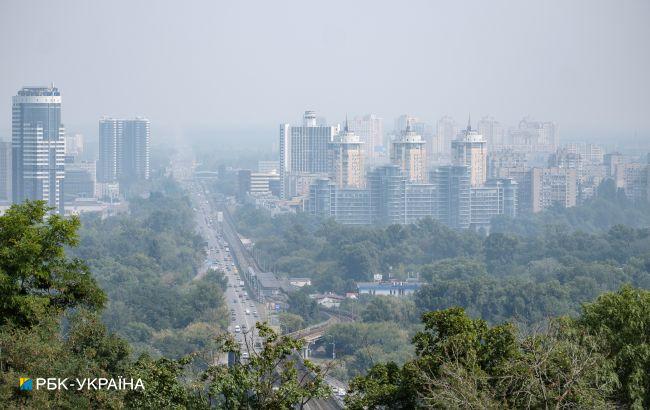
[(584, 64)]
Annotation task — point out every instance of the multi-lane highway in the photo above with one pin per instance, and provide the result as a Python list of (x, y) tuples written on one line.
[(244, 310)]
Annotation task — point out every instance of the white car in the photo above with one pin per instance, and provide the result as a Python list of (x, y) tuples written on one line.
[(248, 312), (237, 329)]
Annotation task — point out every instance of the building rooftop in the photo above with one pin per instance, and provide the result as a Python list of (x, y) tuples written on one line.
[(268, 280), (39, 91)]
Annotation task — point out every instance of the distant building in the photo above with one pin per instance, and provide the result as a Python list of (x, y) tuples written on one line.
[(565, 158), (328, 300), (492, 131), (504, 158), (453, 195), (535, 136), (303, 154), (590, 153), (5, 171), (370, 130), (420, 201), (79, 183), (409, 154), (300, 282), (268, 167), (258, 182), (612, 160), (352, 206), (633, 178), (470, 150), (496, 197), (394, 288), (38, 145), (124, 150), (446, 132), (110, 133), (346, 160), (553, 186), (346, 206), (387, 186), (108, 191), (74, 144)]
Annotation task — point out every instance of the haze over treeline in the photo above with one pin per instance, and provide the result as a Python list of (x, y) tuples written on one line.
[(223, 66)]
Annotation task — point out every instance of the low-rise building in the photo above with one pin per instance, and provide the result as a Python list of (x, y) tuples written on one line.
[(390, 288)]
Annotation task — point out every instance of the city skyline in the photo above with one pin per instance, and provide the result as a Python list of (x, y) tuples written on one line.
[(587, 73)]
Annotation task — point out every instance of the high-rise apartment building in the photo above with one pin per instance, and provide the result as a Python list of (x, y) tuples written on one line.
[(496, 197), (135, 151), (5, 171), (74, 144), (303, 153), (470, 150), (504, 158), (387, 186), (453, 195), (492, 131), (446, 132), (110, 132), (38, 146), (553, 186), (346, 159), (124, 150), (535, 136), (370, 129), (409, 154)]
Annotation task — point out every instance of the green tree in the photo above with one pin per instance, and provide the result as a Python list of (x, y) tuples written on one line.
[(36, 277), (464, 363), (271, 379), (621, 322), (290, 322), (163, 386)]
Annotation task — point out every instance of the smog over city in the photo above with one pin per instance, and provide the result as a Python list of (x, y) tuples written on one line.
[(325, 204)]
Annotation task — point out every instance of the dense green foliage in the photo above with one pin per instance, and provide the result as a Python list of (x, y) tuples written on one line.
[(609, 207), (270, 379), (598, 360), (497, 277), (360, 345), (36, 277), (57, 332), (146, 261)]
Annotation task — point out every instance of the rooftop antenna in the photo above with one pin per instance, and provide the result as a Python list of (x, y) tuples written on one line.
[(469, 122), (346, 123)]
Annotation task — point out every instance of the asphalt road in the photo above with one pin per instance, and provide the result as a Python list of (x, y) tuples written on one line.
[(244, 310)]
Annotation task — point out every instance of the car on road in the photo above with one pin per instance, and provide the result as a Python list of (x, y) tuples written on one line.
[(244, 355), (237, 329), (248, 312)]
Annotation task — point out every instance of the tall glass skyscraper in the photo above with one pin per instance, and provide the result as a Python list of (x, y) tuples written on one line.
[(38, 146)]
